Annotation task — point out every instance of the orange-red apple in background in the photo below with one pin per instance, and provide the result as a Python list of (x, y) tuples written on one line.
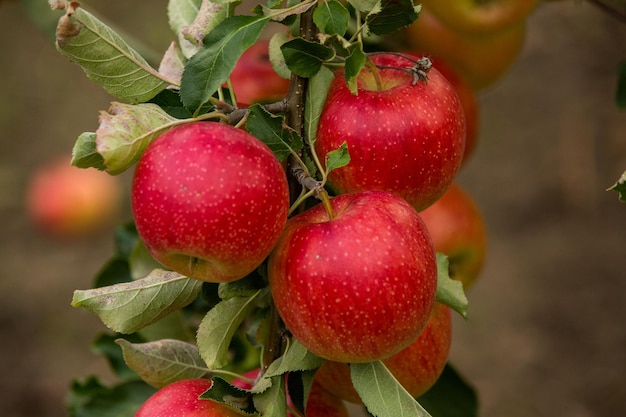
[(458, 230), (66, 201), (417, 367)]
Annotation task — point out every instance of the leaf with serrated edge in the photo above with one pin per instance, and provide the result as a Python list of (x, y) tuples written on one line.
[(297, 358), (315, 99), (338, 158), (181, 13), (130, 306), (332, 17), (164, 361), (381, 393), (272, 402), (85, 154), (108, 60), (210, 15), (449, 291), (126, 130), (271, 130), (218, 327), (211, 66)]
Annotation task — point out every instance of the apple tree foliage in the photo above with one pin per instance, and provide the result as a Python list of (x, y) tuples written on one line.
[(165, 326)]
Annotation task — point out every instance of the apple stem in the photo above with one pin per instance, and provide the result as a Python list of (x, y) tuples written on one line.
[(419, 69)]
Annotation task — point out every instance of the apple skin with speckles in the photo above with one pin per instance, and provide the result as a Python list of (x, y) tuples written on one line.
[(209, 201), (181, 399), (358, 287), (407, 138), (416, 367)]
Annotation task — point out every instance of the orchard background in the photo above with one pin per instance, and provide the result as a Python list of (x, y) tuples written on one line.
[(545, 334)]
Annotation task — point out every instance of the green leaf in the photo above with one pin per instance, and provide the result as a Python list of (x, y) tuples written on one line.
[(279, 15), (165, 361), (382, 394), (391, 16), (106, 346), (211, 66), (273, 131), (451, 396), (449, 291), (93, 399), (331, 17), (296, 358), (141, 262), (620, 187), (276, 55), (223, 392), (364, 6), (106, 58), (130, 306), (315, 100), (244, 287), (299, 386), (182, 13), (85, 154), (218, 327), (126, 130), (273, 401), (337, 158), (305, 58), (355, 62), (620, 93)]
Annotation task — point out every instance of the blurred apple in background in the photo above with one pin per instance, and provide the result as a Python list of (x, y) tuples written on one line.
[(66, 201), (458, 230)]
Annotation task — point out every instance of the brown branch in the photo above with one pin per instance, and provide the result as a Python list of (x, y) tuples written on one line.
[(610, 10)]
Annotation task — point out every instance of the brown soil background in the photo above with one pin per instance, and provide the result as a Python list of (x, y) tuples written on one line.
[(545, 334)]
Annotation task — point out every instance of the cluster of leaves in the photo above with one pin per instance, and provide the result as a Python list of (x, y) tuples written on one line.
[(169, 327)]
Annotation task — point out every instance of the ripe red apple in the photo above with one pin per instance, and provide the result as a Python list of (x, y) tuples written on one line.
[(209, 201), (416, 368), (480, 16), (181, 399), (358, 287), (66, 201), (407, 138), (458, 230), (253, 78), (321, 403)]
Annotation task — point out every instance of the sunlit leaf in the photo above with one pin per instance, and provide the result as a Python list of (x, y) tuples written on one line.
[(332, 18), (106, 58), (338, 158), (315, 100), (381, 393), (126, 130), (218, 327), (620, 187), (272, 131), (449, 291), (162, 362), (276, 55), (182, 13), (85, 154), (211, 66), (130, 306), (211, 13), (173, 63)]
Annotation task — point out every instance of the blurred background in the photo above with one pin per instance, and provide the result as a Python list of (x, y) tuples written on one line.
[(545, 334)]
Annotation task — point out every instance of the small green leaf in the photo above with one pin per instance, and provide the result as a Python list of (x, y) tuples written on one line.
[(355, 62), (331, 17), (106, 58), (93, 399), (382, 394), (273, 131), (449, 291), (85, 154), (105, 345), (223, 392), (165, 361), (620, 93), (620, 187), (390, 16), (305, 58), (315, 100), (141, 262), (218, 327), (130, 306), (126, 130), (273, 401), (337, 158), (296, 358), (276, 55), (182, 13), (211, 66), (279, 15), (451, 396)]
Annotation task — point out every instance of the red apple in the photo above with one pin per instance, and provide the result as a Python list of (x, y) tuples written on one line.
[(407, 138), (321, 403), (481, 59), (358, 287), (253, 78), (66, 201), (458, 230), (416, 368), (181, 399), (480, 16), (209, 201)]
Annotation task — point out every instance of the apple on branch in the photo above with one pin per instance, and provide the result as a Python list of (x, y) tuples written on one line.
[(209, 201), (405, 133), (356, 284)]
